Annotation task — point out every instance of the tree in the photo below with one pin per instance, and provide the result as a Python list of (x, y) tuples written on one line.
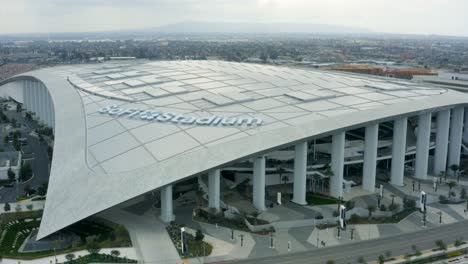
[(394, 208), (18, 107), (409, 204), (93, 247), (455, 168), (11, 175), (199, 235), (381, 259), (25, 171), (442, 174), (463, 194), (30, 207), (42, 189), (451, 184), (7, 207), (27, 189), (115, 253), (361, 260), (371, 209), (441, 244), (70, 256)]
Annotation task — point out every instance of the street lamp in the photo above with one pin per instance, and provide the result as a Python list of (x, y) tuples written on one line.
[(182, 230), (271, 240), (318, 238)]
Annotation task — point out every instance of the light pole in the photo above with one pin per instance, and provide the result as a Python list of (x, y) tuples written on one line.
[(440, 217), (271, 240), (424, 219), (318, 238), (232, 234), (182, 249)]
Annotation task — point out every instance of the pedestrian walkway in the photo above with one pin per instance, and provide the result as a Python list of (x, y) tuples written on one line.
[(149, 236)]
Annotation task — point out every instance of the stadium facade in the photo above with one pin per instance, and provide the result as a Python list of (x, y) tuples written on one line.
[(124, 129)]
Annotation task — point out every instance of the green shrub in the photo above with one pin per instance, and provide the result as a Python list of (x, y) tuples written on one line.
[(383, 208)]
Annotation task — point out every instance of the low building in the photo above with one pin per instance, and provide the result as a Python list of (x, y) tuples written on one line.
[(9, 160)]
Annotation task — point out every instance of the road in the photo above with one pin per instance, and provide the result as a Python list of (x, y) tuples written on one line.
[(39, 163), (371, 249)]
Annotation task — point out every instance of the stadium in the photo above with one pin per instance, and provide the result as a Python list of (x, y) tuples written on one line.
[(125, 129)]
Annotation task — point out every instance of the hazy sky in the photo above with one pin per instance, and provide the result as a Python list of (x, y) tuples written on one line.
[(446, 17)]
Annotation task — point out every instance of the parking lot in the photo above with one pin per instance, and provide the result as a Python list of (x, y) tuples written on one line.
[(33, 152)]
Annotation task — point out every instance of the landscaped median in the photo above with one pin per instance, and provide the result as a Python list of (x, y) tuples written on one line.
[(194, 245), (439, 253)]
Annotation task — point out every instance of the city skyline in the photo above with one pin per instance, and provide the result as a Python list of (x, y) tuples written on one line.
[(414, 17)]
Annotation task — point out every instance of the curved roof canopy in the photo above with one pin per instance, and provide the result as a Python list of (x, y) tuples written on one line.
[(125, 129)]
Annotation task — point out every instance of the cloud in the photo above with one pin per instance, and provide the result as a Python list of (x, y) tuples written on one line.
[(400, 16)]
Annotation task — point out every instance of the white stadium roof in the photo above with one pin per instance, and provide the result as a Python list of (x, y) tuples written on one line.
[(124, 129)]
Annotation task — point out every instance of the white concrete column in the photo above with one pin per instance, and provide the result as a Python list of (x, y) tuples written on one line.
[(422, 145), (465, 131), (214, 189), (399, 151), (337, 163), (370, 157), (259, 183), (456, 131), (442, 135), (300, 170), (167, 214)]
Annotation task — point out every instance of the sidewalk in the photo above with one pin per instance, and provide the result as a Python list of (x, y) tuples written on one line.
[(129, 253), (149, 236)]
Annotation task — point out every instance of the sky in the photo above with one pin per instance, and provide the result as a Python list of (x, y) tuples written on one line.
[(444, 17)]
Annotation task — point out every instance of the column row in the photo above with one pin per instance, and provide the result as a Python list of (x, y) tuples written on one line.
[(449, 135)]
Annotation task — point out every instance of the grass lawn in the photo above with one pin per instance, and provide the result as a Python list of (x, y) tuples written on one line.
[(313, 199), (17, 226)]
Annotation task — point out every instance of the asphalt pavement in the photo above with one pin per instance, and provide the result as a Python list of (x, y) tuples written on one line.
[(371, 249), (39, 161)]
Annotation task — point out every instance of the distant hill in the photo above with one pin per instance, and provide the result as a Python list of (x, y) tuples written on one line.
[(225, 27)]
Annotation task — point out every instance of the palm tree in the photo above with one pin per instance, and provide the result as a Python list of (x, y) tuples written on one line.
[(455, 168), (442, 174), (371, 209), (451, 184)]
